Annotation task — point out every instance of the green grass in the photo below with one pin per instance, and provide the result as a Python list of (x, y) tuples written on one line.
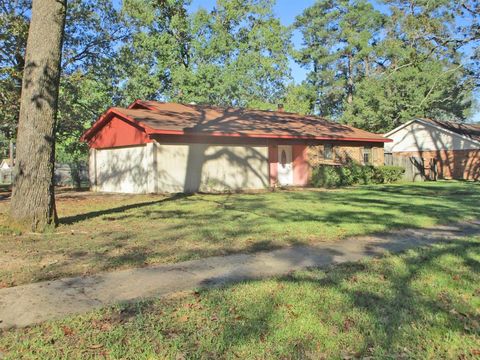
[(107, 232), (424, 303)]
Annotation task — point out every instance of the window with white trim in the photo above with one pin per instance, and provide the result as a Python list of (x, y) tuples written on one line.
[(367, 155), (328, 152)]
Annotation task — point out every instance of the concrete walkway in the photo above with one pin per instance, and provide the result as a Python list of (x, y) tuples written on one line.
[(33, 303)]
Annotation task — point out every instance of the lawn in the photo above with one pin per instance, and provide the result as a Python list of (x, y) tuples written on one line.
[(106, 232), (424, 303)]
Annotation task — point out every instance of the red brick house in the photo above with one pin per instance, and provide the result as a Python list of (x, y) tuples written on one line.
[(167, 147), (449, 150)]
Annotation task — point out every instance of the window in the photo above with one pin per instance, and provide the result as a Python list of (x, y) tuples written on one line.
[(367, 155), (328, 152)]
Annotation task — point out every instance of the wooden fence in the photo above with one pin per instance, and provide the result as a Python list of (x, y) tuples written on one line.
[(414, 166)]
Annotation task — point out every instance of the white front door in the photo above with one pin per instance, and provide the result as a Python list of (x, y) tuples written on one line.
[(285, 166)]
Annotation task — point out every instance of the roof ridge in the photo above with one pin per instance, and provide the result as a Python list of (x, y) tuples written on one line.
[(312, 116)]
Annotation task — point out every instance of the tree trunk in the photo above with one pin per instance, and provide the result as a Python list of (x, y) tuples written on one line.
[(33, 201), (350, 80)]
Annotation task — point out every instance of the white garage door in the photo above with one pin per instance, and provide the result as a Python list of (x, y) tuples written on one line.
[(122, 170), (202, 167)]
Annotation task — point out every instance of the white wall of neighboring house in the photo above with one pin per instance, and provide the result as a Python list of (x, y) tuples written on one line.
[(420, 136), (178, 168)]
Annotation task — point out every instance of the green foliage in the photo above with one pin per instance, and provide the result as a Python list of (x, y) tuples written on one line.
[(92, 32), (431, 89), (388, 174), (330, 176), (234, 55), (299, 99), (14, 23), (376, 70), (338, 37)]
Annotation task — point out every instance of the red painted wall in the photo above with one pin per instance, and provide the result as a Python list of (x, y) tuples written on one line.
[(273, 164), (300, 165), (117, 133)]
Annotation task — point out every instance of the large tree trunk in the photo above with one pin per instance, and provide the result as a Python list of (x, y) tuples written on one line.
[(33, 201)]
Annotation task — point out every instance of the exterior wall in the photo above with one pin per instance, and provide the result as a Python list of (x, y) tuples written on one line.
[(344, 152), (118, 133), (423, 137), (122, 170), (273, 164), (204, 167), (167, 165), (301, 168), (450, 164)]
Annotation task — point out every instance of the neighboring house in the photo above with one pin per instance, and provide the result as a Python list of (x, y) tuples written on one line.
[(449, 150), (6, 168), (6, 164), (167, 147)]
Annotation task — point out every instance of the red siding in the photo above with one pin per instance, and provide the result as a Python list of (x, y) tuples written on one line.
[(273, 164), (300, 165), (118, 132)]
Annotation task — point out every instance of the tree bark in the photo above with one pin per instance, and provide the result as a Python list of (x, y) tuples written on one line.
[(33, 201), (350, 80)]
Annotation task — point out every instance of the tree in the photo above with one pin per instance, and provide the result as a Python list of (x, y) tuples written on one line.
[(233, 55), (430, 89), (420, 73), (338, 48), (93, 31), (33, 201), (300, 99), (468, 35), (13, 37), (376, 70)]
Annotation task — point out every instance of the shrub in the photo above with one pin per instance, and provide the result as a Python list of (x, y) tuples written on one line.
[(326, 176), (354, 173), (389, 174)]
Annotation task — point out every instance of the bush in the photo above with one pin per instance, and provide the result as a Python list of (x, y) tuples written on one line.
[(326, 176), (353, 173), (389, 174)]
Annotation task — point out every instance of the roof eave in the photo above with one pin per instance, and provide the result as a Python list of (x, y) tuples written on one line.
[(266, 136)]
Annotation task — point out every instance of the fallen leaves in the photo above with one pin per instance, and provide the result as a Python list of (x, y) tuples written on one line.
[(347, 324), (67, 331)]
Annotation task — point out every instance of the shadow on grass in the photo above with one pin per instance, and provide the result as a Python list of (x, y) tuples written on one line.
[(216, 221), (389, 312), (93, 214)]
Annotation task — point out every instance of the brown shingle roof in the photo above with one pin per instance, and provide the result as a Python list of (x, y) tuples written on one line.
[(471, 131), (200, 119)]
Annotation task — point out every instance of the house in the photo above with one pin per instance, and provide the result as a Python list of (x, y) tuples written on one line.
[(153, 147), (6, 168), (448, 150), (6, 164)]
